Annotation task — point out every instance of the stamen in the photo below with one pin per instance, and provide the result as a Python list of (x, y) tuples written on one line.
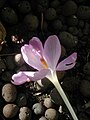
[(44, 63)]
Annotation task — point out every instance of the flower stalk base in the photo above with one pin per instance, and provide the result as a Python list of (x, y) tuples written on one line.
[(57, 85)]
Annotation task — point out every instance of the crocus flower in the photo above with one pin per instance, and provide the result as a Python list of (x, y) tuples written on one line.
[(45, 61)]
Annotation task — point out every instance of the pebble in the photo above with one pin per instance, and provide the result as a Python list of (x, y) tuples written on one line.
[(57, 24), (42, 5), (24, 7), (69, 8), (57, 100), (54, 3), (48, 103), (10, 110), (80, 33), (81, 23), (63, 52), (2, 3), (9, 92), (10, 62), (51, 114), (14, 3), (73, 30), (80, 1), (2, 65), (25, 113), (38, 108), (83, 12), (83, 116), (86, 68), (86, 30), (60, 75), (19, 59), (68, 40), (0, 47), (72, 20), (9, 16), (42, 118), (87, 105), (6, 76), (50, 14), (21, 99), (85, 88), (70, 84), (31, 22)]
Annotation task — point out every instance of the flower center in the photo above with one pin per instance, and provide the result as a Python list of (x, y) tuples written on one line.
[(44, 63)]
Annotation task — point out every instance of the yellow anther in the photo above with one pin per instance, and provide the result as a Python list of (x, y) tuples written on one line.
[(44, 63)]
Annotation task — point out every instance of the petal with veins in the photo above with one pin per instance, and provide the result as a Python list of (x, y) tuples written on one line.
[(67, 63), (37, 44), (52, 51), (31, 56)]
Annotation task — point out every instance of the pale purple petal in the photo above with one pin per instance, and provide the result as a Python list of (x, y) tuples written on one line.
[(31, 57), (52, 51), (19, 78), (40, 74), (37, 44), (67, 63), (26, 76)]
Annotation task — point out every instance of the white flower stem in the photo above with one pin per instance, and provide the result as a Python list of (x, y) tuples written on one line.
[(56, 83)]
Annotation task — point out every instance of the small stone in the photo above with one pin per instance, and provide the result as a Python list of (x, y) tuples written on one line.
[(57, 100), (83, 116), (10, 110), (31, 22), (68, 40), (2, 65), (57, 24), (80, 1), (86, 30), (6, 76), (10, 62), (70, 84), (86, 68), (69, 8), (38, 108), (42, 118), (19, 59), (60, 74), (48, 103), (83, 12), (9, 92), (87, 105), (72, 20), (42, 5), (55, 3), (2, 3), (24, 7), (14, 3), (51, 114), (0, 47), (80, 33), (25, 113), (85, 88), (81, 23), (21, 99), (50, 14), (73, 30), (9, 16)]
